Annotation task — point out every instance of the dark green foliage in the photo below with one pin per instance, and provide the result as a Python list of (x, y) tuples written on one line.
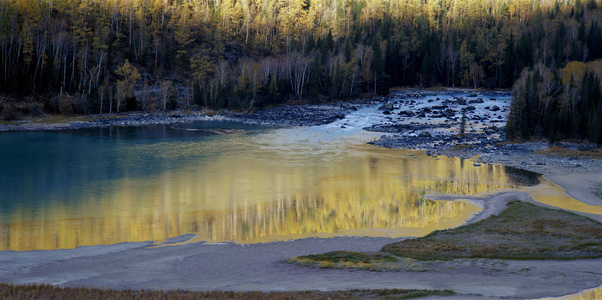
[(314, 80), (132, 105), (197, 94), (380, 79), (570, 114)]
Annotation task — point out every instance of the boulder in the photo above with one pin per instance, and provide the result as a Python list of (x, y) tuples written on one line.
[(425, 134), (386, 106), (478, 100)]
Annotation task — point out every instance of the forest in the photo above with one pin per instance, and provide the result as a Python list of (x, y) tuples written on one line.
[(108, 56)]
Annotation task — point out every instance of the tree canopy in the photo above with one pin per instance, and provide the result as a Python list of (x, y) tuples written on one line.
[(241, 54)]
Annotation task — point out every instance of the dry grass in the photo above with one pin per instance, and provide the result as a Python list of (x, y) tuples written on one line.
[(598, 190), (9, 292), (357, 260), (521, 231), (63, 119), (372, 262), (561, 151), (461, 147), (438, 89)]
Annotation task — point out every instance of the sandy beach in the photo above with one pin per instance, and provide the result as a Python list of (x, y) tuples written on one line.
[(243, 267)]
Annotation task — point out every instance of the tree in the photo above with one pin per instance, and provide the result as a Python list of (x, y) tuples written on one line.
[(164, 87), (377, 66), (128, 76)]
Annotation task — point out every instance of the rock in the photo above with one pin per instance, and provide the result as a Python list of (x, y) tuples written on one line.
[(472, 95), (478, 100), (386, 106), (425, 134), (386, 112), (461, 101), (495, 108)]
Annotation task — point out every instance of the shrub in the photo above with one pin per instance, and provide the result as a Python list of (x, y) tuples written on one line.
[(66, 106), (11, 113)]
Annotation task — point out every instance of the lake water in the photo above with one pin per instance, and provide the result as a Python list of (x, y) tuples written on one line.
[(111, 185)]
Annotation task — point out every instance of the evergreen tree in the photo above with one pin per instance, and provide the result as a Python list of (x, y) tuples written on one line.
[(380, 78)]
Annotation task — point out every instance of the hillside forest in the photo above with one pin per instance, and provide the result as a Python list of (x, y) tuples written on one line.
[(108, 56)]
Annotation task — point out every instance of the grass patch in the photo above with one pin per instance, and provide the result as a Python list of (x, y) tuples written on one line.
[(561, 151), (37, 291), (521, 231), (460, 147), (358, 260), (63, 119), (598, 190)]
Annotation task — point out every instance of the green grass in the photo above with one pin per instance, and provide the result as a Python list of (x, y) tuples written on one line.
[(358, 260), (521, 231), (36, 291)]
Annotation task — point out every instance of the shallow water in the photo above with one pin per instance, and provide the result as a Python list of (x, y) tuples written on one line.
[(112, 185)]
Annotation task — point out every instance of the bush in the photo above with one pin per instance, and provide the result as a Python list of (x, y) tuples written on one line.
[(32, 109), (11, 113), (66, 106)]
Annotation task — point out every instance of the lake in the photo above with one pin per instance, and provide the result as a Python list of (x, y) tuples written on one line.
[(126, 184)]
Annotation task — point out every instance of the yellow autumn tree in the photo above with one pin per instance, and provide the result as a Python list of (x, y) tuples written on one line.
[(128, 76)]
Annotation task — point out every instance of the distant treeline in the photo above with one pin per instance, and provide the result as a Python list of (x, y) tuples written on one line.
[(90, 56), (558, 105)]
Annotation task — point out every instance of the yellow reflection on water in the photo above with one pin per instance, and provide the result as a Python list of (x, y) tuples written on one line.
[(238, 198), (593, 294), (551, 194), (257, 192)]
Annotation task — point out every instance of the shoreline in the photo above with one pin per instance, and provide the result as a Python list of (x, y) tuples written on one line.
[(247, 267)]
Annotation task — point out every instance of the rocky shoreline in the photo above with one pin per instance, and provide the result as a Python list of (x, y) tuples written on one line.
[(289, 115), (299, 115)]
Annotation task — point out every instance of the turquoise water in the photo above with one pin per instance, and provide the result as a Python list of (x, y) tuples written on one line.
[(112, 185), (53, 166)]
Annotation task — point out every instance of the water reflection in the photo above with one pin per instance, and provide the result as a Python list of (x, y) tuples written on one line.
[(523, 177), (248, 194), (591, 294), (106, 186)]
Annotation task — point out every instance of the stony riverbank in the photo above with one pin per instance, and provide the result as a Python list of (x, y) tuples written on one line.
[(288, 115)]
